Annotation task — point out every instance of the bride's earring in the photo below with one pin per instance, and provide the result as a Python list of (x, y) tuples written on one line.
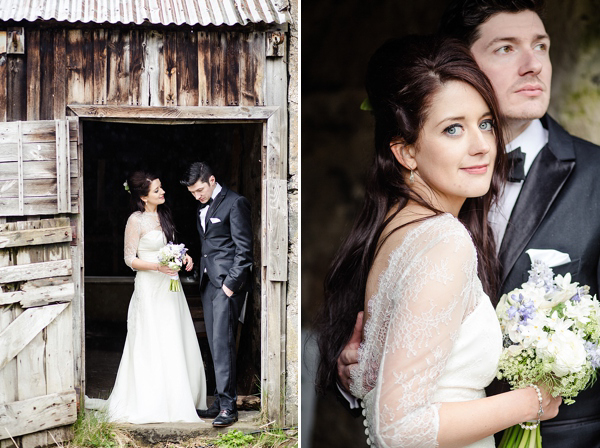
[(412, 177)]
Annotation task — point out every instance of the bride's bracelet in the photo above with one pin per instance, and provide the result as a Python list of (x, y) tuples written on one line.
[(534, 425)]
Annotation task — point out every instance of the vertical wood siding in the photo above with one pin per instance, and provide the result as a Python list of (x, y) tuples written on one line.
[(141, 67)]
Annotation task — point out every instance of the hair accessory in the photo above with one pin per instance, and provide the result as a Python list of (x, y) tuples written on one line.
[(126, 186), (533, 425), (412, 177)]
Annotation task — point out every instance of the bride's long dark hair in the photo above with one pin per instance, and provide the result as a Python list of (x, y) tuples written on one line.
[(403, 76), (139, 185)]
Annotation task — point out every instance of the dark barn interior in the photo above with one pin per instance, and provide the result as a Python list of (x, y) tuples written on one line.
[(110, 151)]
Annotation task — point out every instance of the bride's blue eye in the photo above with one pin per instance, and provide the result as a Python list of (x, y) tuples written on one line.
[(454, 129), (486, 125)]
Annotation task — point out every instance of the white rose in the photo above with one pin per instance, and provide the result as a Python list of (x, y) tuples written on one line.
[(569, 353)]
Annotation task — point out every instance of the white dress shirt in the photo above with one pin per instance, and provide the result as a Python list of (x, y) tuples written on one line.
[(531, 141), (204, 211)]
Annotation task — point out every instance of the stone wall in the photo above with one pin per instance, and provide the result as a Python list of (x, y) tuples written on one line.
[(337, 40)]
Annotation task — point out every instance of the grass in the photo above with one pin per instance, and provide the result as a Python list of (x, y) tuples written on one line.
[(93, 431)]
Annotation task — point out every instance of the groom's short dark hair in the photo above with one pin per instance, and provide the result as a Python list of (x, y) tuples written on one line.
[(197, 171), (462, 18)]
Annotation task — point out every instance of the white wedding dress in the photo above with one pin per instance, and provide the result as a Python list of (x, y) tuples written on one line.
[(431, 336), (161, 375)]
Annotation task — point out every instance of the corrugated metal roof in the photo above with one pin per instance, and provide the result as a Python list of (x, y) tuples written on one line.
[(165, 12)]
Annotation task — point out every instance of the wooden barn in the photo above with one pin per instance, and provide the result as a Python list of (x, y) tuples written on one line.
[(91, 90)]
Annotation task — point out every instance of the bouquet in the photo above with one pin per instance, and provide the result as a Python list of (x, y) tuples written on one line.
[(172, 256), (551, 332)]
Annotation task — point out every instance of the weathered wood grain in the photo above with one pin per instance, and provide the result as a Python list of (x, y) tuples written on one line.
[(60, 368), (36, 414), (60, 74), (204, 69), (39, 296), (117, 67), (33, 151), (277, 230), (75, 62), (46, 74), (153, 76), (33, 206), (32, 49), (10, 274), (25, 328), (100, 63), (16, 88), (218, 64), (232, 72), (136, 70), (252, 69), (170, 68), (187, 69), (34, 236), (3, 75)]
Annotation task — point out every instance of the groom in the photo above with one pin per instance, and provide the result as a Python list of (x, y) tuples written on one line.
[(552, 202), (223, 221)]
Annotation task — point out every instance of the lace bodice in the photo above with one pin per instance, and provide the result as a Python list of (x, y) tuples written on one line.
[(138, 225), (431, 334)]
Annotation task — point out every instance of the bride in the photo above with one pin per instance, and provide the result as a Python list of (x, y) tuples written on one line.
[(161, 375), (420, 259)]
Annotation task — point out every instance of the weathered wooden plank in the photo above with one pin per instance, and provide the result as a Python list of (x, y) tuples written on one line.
[(170, 75), (33, 151), (39, 296), (10, 274), (252, 73), (274, 350), (276, 95), (187, 69), (16, 88), (33, 131), (153, 76), (137, 39), (75, 61), (32, 285), (218, 52), (277, 230), (88, 66), (33, 206), (117, 67), (46, 74), (37, 414), (63, 167), (229, 114), (60, 74), (100, 57), (8, 375), (33, 188), (204, 69), (35, 236), (59, 353), (25, 328), (232, 69), (33, 73), (3, 75), (32, 170)]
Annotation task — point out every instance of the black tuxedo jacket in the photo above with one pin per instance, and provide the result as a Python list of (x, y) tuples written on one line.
[(227, 241), (559, 208)]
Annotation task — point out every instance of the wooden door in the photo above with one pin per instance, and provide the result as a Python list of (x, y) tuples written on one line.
[(40, 279)]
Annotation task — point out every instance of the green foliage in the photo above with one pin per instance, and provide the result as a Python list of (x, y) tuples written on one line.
[(234, 438), (92, 430), (277, 438)]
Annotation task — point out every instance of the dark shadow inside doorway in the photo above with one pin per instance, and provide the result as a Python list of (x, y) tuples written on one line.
[(110, 151)]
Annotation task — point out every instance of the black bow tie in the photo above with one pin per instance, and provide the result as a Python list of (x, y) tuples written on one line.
[(516, 164), (206, 204)]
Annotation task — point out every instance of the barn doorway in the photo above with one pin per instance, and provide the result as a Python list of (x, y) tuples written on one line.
[(110, 151)]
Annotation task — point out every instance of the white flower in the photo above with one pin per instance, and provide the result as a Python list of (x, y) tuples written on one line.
[(533, 333), (568, 351)]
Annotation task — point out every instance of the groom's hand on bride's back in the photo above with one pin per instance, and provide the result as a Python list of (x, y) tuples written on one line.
[(348, 359)]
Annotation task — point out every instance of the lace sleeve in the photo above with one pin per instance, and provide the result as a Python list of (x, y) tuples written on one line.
[(133, 231), (427, 308)]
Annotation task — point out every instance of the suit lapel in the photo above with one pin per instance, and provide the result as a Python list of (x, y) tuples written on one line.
[(546, 177)]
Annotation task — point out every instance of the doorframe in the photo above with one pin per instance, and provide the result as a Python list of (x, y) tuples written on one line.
[(274, 222)]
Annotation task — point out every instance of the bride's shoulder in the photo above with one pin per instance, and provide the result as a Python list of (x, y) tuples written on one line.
[(134, 217)]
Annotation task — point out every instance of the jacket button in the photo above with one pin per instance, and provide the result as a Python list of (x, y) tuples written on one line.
[(205, 255)]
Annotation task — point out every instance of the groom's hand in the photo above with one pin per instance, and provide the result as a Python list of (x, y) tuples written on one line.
[(188, 262), (227, 291), (348, 359)]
